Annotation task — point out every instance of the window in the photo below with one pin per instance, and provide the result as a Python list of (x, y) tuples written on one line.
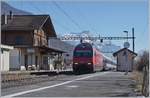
[(83, 53), (19, 40)]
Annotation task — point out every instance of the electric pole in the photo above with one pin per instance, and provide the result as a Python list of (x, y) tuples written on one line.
[(133, 38)]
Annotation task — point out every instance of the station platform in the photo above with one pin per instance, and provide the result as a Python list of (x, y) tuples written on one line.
[(20, 75)]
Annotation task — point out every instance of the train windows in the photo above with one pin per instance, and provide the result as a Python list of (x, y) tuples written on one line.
[(83, 53)]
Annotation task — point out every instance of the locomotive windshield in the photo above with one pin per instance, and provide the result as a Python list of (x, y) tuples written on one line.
[(83, 53)]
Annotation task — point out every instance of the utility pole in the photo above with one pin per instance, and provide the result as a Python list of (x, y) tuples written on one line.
[(133, 38)]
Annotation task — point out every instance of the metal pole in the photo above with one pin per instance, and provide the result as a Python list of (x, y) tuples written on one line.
[(133, 45), (127, 34), (133, 38)]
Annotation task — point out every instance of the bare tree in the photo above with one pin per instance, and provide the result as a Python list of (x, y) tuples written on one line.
[(142, 61), (143, 65)]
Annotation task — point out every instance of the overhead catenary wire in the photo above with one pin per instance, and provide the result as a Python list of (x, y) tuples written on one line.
[(42, 12), (67, 15), (56, 21), (86, 20), (81, 14), (60, 9), (39, 10)]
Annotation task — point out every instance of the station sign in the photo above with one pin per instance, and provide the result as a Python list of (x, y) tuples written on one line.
[(126, 45)]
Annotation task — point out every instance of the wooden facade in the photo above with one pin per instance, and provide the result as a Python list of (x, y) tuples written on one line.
[(17, 38), (125, 59), (29, 35), (40, 38)]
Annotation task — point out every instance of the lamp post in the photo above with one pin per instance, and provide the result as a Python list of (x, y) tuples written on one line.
[(126, 55), (127, 34)]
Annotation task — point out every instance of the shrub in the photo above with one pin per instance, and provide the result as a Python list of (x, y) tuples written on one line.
[(143, 60)]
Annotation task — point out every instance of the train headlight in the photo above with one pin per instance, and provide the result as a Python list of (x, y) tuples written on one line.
[(89, 63), (75, 63)]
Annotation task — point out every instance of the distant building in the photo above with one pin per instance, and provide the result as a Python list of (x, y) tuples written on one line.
[(5, 57), (125, 58), (29, 35)]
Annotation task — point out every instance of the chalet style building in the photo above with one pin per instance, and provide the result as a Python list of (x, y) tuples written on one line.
[(29, 35), (125, 59)]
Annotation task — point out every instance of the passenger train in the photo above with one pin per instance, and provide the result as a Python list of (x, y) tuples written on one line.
[(88, 58)]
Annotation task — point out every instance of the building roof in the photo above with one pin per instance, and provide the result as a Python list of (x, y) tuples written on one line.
[(57, 44), (49, 49), (114, 54), (45, 48), (29, 22)]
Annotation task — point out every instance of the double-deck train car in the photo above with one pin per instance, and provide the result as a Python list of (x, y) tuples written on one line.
[(87, 58)]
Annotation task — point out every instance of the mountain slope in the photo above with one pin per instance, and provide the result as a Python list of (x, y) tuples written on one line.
[(5, 8)]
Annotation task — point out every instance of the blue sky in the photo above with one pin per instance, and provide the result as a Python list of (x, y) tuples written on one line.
[(107, 18)]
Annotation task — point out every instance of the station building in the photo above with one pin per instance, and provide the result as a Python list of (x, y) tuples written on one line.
[(125, 59), (29, 35)]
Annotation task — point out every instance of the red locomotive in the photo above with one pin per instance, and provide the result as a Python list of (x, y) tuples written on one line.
[(87, 58)]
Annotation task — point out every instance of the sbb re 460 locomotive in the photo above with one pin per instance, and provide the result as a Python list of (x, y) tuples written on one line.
[(87, 58)]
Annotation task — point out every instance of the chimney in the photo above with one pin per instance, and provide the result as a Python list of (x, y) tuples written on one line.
[(5, 18), (11, 15)]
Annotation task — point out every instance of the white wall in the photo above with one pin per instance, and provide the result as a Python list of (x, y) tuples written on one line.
[(4, 60), (5, 57), (17, 59)]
